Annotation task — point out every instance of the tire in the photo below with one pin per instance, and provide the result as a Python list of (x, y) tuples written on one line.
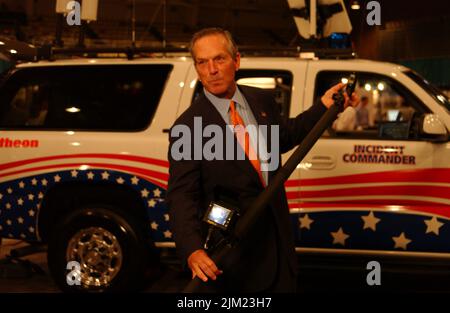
[(108, 245)]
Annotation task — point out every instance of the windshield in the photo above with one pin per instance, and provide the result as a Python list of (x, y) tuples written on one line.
[(431, 89)]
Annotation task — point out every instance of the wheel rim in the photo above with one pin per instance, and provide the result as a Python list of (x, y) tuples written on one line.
[(99, 253)]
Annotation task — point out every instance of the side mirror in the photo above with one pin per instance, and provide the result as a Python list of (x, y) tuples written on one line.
[(433, 128)]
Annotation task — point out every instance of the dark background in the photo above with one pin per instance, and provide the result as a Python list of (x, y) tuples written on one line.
[(414, 33)]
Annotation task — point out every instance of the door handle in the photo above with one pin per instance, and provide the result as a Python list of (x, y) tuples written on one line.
[(322, 162)]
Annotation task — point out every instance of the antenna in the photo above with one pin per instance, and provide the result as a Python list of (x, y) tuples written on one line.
[(164, 24), (133, 24)]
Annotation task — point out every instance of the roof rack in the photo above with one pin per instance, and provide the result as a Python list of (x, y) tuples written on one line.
[(322, 53), (20, 51)]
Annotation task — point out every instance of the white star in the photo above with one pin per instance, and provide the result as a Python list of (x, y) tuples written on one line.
[(166, 217), (370, 221), (134, 180), (151, 203), (120, 180), (305, 222), (74, 173), (167, 234), (31, 229), (31, 213), (90, 175), (34, 182), (30, 197), (105, 175), (8, 222), (22, 235), (339, 237), (20, 201), (157, 193), (40, 195), (144, 193), (22, 185), (44, 182), (20, 220), (9, 190), (433, 225), (401, 241), (8, 206), (154, 226), (57, 178)]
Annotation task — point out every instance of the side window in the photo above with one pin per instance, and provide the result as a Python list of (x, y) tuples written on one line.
[(387, 109), (279, 82), (100, 98)]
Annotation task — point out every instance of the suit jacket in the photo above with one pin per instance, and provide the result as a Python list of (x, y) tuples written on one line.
[(193, 184)]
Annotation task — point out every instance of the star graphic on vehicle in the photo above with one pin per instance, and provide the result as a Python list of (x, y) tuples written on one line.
[(144, 193), (168, 234), (154, 225), (433, 225), (305, 222), (339, 237), (370, 221), (401, 241)]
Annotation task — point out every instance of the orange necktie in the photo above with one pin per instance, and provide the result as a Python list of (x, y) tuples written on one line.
[(244, 140)]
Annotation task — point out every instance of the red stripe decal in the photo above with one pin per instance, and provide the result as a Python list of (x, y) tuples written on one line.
[(147, 174), (437, 175), (418, 206), (140, 159), (411, 190)]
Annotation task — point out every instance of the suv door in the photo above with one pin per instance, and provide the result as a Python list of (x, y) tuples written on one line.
[(370, 182)]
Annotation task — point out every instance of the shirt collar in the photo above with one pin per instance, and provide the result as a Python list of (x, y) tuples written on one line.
[(238, 99)]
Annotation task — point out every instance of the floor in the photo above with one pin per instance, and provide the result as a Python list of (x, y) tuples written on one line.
[(315, 275)]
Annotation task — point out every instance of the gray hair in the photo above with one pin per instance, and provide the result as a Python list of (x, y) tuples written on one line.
[(231, 45)]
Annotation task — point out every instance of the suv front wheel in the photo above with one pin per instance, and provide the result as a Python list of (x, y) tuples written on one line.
[(97, 249)]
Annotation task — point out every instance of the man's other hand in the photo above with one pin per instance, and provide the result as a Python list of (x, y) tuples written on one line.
[(202, 266), (327, 98)]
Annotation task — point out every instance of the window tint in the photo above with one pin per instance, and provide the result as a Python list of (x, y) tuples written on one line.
[(105, 98), (387, 109), (277, 81), (430, 88)]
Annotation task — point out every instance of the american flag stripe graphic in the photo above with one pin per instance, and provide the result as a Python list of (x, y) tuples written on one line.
[(404, 210)]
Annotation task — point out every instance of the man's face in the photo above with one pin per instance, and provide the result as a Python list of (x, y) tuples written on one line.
[(215, 66)]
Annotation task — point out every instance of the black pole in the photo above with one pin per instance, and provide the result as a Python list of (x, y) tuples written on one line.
[(81, 34), (59, 30), (247, 221)]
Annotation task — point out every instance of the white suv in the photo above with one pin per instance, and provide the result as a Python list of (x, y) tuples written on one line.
[(83, 161)]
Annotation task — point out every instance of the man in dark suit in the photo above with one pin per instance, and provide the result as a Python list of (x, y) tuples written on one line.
[(265, 260)]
